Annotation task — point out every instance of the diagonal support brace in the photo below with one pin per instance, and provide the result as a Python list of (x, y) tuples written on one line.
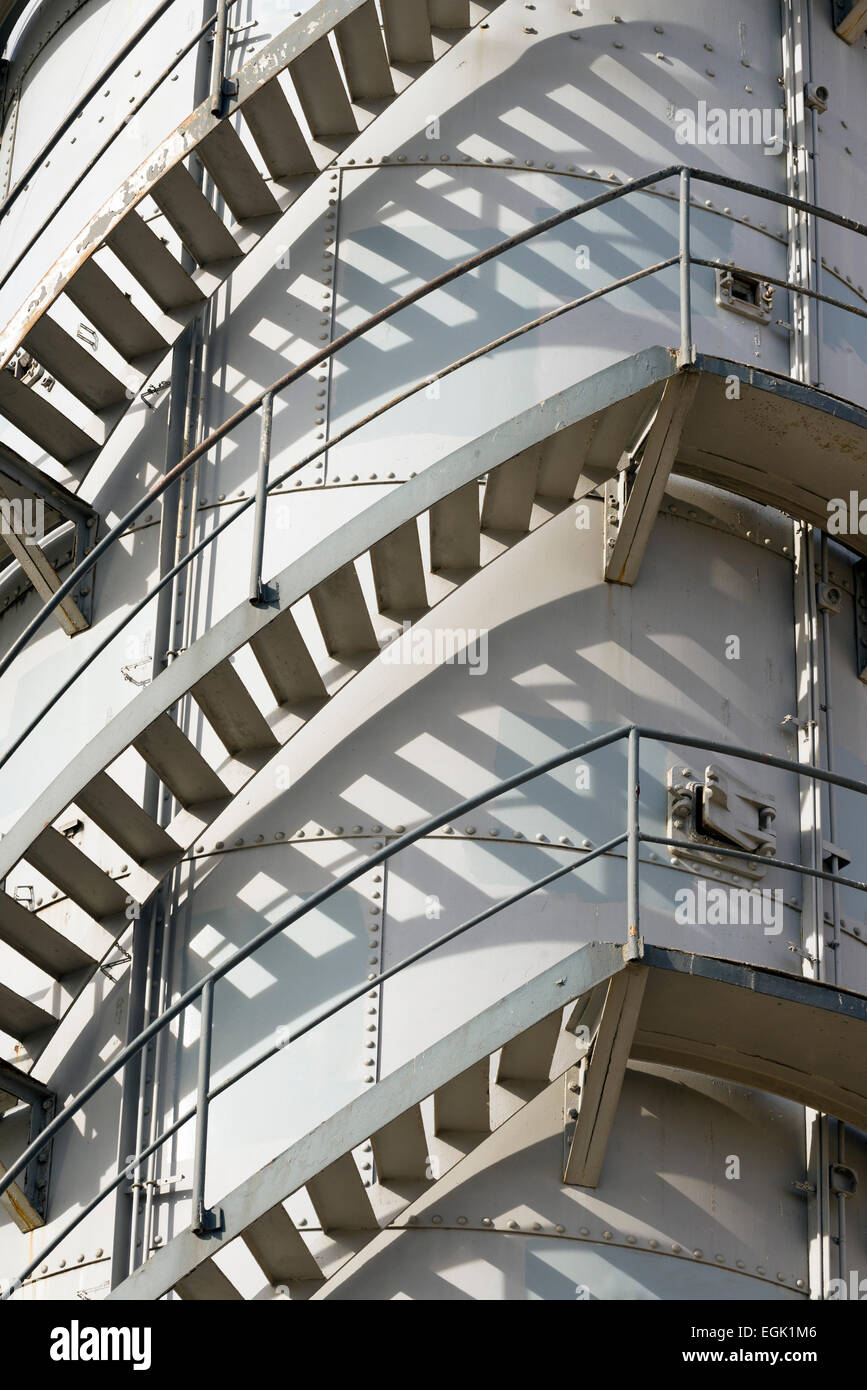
[(850, 19), (633, 498), (26, 1203), (603, 1076), (42, 574)]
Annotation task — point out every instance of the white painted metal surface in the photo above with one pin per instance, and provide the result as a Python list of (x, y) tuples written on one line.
[(520, 116)]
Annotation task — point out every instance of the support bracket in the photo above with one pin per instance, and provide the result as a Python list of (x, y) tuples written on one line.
[(27, 1202), (601, 1077), (633, 498), (849, 18), (36, 512)]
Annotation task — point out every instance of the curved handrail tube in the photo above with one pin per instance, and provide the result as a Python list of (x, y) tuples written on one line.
[(358, 993), (82, 102), (275, 928), (106, 144), (438, 282), (302, 463), (632, 732), (322, 355), (750, 755)]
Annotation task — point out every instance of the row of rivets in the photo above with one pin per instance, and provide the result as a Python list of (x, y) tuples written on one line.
[(488, 1223)]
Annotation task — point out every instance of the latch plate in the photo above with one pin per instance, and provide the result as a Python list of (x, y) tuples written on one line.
[(744, 293), (720, 810)]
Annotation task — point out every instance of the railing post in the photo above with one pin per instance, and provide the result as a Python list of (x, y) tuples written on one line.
[(218, 58), (685, 355), (261, 594), (203, 1220), (633, 845)]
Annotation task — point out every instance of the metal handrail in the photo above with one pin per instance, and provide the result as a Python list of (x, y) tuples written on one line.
[(684, 259), (315, 360), (256, 499), (87, 96), (106, 144), (633, 836)]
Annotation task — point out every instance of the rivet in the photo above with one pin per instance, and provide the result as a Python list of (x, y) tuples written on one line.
[(606, 1235), (462, 1221), (513, 1226), (561, 1230), (584, 1231), (630, 1240), (486, 1221), (676, 1249), (654, 1244)]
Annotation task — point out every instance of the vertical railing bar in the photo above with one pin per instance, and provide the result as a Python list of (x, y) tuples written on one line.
[(256, 590), (218, 58), (685, 355), (633, 844), (201, 1223)]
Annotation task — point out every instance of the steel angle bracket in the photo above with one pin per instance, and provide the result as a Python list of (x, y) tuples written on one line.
[(593, 1088), (634, 496), (27, 1202), (849, 18), (20, 481)]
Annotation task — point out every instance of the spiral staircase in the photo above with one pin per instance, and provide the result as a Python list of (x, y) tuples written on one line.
[(341, 65), (292, 108)]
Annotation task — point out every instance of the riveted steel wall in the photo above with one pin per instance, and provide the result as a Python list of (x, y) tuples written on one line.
[(536, 108)]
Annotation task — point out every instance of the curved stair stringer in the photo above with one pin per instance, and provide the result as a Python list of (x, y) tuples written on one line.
[(534, 464), (335, 86), (761, 1028), (453, 1070)]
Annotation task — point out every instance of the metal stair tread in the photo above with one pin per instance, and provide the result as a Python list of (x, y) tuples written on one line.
[(65, 865), (147, 257), (200, 228), (324, 99), (71, 363), (224, 156), (38, 941), (31, 412), (407, 31), (278, 136), (113, 315), (363, 54)]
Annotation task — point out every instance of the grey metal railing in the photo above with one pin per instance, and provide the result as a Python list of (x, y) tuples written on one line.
[(211, 24), (264, 399), (633, 837)]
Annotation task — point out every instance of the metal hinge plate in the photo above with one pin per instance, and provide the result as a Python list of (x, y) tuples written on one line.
[(720, 811)]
